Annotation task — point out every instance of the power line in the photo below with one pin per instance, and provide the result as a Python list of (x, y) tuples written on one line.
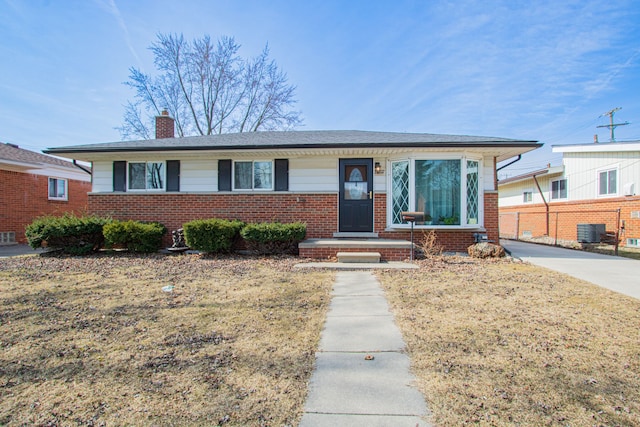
[(612, 125)]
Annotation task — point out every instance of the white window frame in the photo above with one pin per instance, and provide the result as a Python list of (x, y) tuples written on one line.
[(253, 163), (566, 189), (524, 196), (633, 242), (463, 190), (65, 196), (609, 169), (147, 190)]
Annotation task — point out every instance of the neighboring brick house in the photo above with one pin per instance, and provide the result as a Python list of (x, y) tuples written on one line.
[(344, 184), (33, 185), (596, 184)]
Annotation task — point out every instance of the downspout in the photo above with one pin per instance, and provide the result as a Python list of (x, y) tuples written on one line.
[(546, 205), (75, 163), (509, 164)]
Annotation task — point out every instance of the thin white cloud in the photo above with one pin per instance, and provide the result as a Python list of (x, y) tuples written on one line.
[(111, 7)]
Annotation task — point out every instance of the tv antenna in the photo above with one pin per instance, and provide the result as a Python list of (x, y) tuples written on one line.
[(612, 126)]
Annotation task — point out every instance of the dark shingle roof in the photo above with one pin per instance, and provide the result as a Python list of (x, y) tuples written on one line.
[(297, 139), (13, 153)]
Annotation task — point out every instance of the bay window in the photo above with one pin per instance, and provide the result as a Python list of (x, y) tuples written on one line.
[(446, 190)]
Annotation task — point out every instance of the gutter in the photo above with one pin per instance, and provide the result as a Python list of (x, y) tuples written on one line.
[(75, 163)]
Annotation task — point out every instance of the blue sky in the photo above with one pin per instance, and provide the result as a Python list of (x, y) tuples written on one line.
[(538, 70)]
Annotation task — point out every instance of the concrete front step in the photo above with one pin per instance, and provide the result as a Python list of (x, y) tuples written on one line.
[(389, 250), (358, 257)]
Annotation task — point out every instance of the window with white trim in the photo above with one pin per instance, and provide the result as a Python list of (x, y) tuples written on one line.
[(446, 190), (559, 189), (253, 175), (146, 176), (57, 189), (527, 196), (608, 182)]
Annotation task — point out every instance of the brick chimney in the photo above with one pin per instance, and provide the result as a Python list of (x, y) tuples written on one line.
[(164, 125)]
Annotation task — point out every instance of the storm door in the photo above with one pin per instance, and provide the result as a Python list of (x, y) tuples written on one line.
[(356, 195)]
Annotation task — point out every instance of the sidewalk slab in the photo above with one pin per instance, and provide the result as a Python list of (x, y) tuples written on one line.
[(356, 420), (354, 305), (349, 384), (361, 333), (362, 375)]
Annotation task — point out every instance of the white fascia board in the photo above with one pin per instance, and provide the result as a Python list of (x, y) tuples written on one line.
[(602, 147)]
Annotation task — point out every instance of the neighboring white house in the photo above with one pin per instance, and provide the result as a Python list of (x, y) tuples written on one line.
[(596, 184)]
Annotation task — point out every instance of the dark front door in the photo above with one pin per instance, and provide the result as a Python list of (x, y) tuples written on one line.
[(356, 195)]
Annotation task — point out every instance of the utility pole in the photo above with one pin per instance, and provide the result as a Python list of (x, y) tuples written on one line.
[(612, 125)]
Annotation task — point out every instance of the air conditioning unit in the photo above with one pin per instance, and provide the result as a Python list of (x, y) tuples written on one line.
[(627, 189), (590, 233)]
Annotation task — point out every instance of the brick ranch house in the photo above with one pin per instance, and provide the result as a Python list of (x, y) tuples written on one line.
[(597, 184), (33, 185), (347, 186)]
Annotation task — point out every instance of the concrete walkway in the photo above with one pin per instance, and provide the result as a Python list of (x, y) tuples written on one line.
[(616, 273), (346, 389)]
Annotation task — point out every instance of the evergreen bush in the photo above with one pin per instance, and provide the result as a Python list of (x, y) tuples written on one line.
[(135, 236), (274, 237), (68, 233), (212, 235)]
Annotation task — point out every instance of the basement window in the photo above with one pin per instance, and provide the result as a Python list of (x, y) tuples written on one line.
[(57, 189), (633, 243)]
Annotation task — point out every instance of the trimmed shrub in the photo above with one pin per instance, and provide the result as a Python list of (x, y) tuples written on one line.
[(274, 237), (136, 236), (211, 235), (73, 235)]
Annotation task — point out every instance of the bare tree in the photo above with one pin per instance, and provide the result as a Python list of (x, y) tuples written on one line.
[(209, 89)]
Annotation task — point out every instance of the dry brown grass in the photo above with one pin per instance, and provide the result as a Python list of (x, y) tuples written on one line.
[(503, 343), (95, 341)]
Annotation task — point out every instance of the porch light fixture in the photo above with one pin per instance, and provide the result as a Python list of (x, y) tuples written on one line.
[(378, 168)]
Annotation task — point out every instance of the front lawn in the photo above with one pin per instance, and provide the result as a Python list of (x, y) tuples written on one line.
[(500, 343), (191, 340), (157, 340)]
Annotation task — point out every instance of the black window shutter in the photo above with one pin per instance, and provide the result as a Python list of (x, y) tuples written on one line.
[(224, 175), (173, 175), (282, 175), (119, 176)]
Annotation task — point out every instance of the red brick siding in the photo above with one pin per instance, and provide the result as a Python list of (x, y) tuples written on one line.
[(319, 211), (26, 197), (491, 216), (565, 217)]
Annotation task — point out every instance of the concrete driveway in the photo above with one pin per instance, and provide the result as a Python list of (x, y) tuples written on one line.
[(616, 273), (16, 250)]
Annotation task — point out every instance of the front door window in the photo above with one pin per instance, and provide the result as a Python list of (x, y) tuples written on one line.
[(355, 187)]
